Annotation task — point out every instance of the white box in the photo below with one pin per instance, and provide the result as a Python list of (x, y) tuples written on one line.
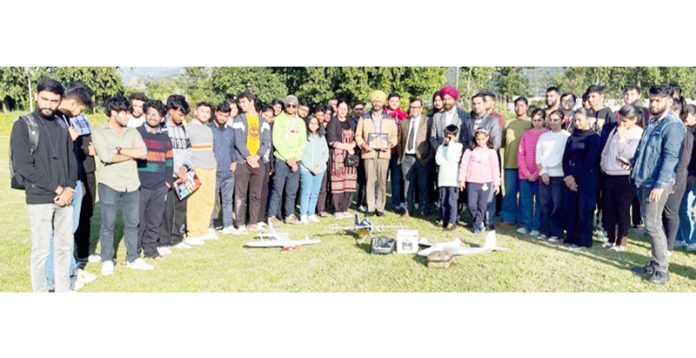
[(406, 241)]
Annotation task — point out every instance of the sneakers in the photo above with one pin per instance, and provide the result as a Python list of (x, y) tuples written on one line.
[(323, 214), (679, 243), (107, 268), (93, 259), (242, 229), (194, 240), (261, 225), (212, 235), (534, 233), (450, 227), (313, 219), (521, 230), (649, 268), (607, 245), (164, 250), (617, 248), (230, 230), (691, 247), (292, 219), (669, 253), (182, 245), (139, 264), (554, 239), (304, 220), (659, 278), (274, 221), (362, 208), (601, 235), (83, 278), (541, 237)]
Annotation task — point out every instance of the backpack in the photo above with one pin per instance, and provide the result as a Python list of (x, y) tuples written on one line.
[(17, 180)]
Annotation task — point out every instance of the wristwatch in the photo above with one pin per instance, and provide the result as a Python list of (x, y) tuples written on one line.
[(118, 150)]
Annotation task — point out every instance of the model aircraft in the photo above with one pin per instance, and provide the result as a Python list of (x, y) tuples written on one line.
[(364, 228), (280, 239), (455, 246)]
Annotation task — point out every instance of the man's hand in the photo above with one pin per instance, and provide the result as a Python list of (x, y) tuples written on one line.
[(315, 170), (655, 194), (73, 133), (233, 166), (181, 173), (92, 151), (570, 182), (545, 179)]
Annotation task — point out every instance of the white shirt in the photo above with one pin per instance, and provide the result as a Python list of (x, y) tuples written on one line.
[(549, 152), (134, 122), (413, 130), (449, 116)]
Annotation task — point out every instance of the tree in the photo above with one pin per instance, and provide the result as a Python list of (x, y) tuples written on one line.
[(510, 83), (263, 82), (14, 93), (104, 81)]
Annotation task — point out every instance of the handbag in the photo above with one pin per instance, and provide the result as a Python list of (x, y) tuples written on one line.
[(351, 160)]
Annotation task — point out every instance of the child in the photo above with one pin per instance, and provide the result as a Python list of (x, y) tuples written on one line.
[(313, 167), (528, 174), (447, 159), (480, 170)]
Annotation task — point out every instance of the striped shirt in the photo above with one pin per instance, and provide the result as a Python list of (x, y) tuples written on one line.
[(158, 167), (202, 155)]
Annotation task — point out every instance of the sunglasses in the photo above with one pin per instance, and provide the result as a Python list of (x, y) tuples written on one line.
[(290, 106)]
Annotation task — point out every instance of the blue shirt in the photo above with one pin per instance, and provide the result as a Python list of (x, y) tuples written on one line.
[(223, 148)]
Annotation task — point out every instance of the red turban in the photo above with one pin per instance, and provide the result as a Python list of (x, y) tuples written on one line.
[(451, 91)]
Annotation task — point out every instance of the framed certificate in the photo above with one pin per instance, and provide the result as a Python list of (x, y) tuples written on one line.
[(378, 140)]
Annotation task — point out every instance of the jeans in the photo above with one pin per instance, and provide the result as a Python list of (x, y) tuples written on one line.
[(415, 177), (670, 215), (652, 218), (530, 205), (309, 194), (173, 225), (284, 179), (129, 204), (44, 219), (396, 178), (687, 219), (551, 199), (490, 208), (477, 200), (448, 204), (224, 197), (77, 206), (152, 205), (511, 211)]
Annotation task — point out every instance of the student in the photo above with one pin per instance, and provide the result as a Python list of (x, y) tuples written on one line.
[(223, 147), (447, 159), (549, 156), (580, 172), (480, 170), (687, 221), (528, 176), (511, 209), (313, 167)]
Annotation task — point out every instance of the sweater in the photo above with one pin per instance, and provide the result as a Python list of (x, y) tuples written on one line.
[(447, 158), (289, 137), (157, 168), (511, 140), (201, 136), (223, 148), (581, 155), (616, 147), (316, 152), (549, 152), (480, 166), (526, 158)]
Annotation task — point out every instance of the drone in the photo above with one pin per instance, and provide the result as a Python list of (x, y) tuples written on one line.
[(454, 246), (363, 229), (280, 239)]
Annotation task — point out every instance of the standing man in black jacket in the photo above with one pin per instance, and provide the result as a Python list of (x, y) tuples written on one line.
[(50, 175)]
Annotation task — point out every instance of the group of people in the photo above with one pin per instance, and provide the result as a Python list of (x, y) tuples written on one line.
[(251, 164)]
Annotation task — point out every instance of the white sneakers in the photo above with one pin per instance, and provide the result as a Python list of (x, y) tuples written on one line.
[(229, 230), (93, 259), (194, 240), (691, 247), (164, 250), (107, 268), (182, 245), (212, 235), (313, 219), (554, 239), (607, 245), (522, 231), (304, 219), (139, 264), (534, 233), (83, 278), (679, 243)]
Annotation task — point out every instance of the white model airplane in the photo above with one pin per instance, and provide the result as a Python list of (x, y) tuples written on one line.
[(455, 246), (280, 239), (364, 229)]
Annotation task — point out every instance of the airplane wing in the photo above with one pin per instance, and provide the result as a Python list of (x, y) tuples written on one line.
[(453, 246), (264, 243)]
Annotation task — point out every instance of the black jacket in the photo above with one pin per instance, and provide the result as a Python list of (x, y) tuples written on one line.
[(52, 165)]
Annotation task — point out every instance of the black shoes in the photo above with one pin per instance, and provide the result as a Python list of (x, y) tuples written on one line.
[(379, 213)]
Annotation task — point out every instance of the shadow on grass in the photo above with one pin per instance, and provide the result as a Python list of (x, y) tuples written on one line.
[(622, 260)]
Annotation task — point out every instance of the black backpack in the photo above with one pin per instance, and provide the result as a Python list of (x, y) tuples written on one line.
[(16, 180)]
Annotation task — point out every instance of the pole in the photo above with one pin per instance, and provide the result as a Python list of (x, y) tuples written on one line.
[(31, 96)]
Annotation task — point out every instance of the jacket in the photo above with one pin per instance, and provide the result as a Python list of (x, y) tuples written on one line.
[(424, 151), (240, 126), (366, 126), (654, 164), (461, 119)]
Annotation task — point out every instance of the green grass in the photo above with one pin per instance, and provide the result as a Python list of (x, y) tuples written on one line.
[(339, 265)]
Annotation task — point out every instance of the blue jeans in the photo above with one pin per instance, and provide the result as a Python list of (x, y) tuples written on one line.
[(478, 201), (511, 211), (224, 197), (551, 199), (396, 177), (129, 203), (309, 193), (77, 206), (530, 207), (687, 222), (283, 178)]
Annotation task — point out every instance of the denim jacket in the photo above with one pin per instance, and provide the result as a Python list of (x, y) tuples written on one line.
[(655, 162)]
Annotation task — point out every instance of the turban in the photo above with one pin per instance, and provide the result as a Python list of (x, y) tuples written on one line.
[(378, 96), (451, 91)]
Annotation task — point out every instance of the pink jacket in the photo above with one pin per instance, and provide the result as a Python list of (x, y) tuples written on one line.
[(526, 156), (480, 166)]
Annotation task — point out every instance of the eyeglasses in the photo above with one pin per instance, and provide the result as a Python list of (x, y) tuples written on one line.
[(290, 106), (415, 107)]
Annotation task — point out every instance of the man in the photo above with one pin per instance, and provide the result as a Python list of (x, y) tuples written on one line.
[(173, 226), (49, 174), (489, 99), (289, 138), (396, 177), (375, 152), (155, 174), (303, 109), (653, 172), (492, 125), (510, 213), (416, 157), (117, 147), (552, 96), (631, 95), (568, 106), (252, 140), (333, 104), (451, 114), (223, 146), (358, 109), (136, 116), (602, 114), (201, 204)]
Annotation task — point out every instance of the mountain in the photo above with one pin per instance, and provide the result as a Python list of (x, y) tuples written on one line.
[(131, 75)]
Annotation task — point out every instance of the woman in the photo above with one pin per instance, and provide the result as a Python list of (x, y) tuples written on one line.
[(580, 172), (528, 175), (670, 215), (549, 159), (340, 133), (617, 191), (313, 166)]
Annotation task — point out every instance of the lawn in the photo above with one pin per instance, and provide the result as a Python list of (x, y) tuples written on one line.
[(339, 265)]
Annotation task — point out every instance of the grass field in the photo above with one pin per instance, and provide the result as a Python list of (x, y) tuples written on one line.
[(339, 265)]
